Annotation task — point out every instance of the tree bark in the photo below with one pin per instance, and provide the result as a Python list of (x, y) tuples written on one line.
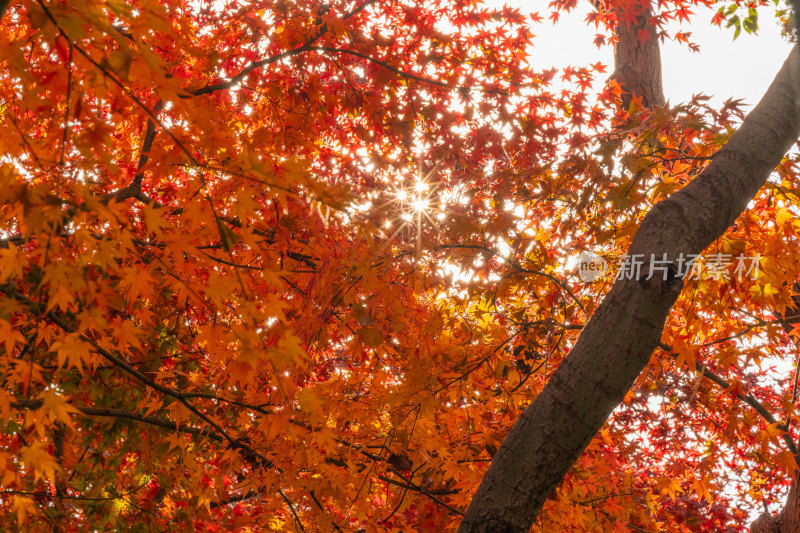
[(620, 337), (788, 521), (637, 61)]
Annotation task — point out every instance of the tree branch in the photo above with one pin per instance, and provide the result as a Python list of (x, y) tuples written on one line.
[(134, 189), (305, 47), (637, 62), (620, 337), (750, 400), (22, 403), (4, 7), (250, 455)]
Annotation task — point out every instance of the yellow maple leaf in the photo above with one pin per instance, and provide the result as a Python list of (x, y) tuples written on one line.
[(23, 506), (10, 263), (11, 337), (56, 407), (42, 463), (73, 351), (688, 357), (309, 402)]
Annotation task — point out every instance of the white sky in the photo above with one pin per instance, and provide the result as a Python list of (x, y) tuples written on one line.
[(723, 68)]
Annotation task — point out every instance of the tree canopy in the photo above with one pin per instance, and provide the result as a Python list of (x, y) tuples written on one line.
[(301, 266)]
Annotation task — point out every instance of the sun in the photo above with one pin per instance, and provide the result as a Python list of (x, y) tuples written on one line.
[(420, 205), (413, 206), (415, 201)]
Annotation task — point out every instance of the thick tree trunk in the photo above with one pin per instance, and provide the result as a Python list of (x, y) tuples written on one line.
[(637, 62), (620, 337), (788, 521)]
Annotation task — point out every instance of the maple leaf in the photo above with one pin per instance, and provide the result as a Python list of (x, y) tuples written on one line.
[(42, 463), (72, 352), (11, 337), (23, 506), (312, 261), (57, 408), (371, 336), (11, 264)]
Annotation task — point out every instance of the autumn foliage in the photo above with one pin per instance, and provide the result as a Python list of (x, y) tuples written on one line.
[(292, 266)]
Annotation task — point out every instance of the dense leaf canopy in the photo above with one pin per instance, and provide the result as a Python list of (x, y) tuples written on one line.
[(272, 265)]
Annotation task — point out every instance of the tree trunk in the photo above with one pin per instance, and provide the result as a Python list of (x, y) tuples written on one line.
[(788, 521), (619, 338), (637, 61)]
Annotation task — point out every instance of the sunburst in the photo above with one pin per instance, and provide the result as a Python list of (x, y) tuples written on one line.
[(414, 206)]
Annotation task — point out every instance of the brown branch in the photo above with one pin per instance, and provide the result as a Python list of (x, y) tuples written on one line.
[(134, 189), (747, 329), (22, 403), (235, 499), (250, 455), (384, 64), (305, 47), (66, 109), (50, 496), (416, 488), (292, 509), (748, 399), (230, 263), (519, 270)]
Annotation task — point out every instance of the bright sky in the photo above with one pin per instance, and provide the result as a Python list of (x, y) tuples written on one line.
[(723, 68)]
